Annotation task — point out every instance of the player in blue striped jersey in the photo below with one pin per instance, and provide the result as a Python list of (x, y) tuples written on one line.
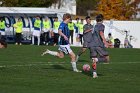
[(64, 46)]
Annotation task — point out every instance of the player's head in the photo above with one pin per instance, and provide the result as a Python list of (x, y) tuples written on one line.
[(37, 18), (56, 19), (19, 19), (1, 18), (46, 18), (99, 18), (88, 20), (66, 17), (3, 44), (82, 21)]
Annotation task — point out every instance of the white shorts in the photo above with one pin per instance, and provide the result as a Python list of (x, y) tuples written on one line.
[(55, 30), (2, 32), (36, 33), (65, 48), (46, 30)]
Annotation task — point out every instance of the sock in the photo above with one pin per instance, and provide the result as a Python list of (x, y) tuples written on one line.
[(74, 66), (38, 43), (52, 53), (33, 40), (94, 66)]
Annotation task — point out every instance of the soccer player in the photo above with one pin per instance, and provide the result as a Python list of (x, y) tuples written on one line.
[(64, 46), (87, 36), (98, 52), (3, 44)]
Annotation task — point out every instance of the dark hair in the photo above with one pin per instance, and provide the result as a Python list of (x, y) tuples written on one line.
[(87, 17), (56, 17), (77, 18), (99, 18), (2, 42), (109, 34)]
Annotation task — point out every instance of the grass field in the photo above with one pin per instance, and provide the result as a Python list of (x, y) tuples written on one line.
[(23, 70)]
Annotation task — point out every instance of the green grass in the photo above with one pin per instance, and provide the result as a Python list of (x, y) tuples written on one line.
[(23, 70)]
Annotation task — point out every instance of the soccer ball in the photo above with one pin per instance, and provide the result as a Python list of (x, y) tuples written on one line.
[(86, 67)]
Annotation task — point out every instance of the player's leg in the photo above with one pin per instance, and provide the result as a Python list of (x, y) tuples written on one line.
[(81, 51), (38, 40), (103, 55), (73, 62), (93, 55)]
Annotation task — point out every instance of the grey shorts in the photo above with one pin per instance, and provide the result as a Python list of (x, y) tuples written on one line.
[(98, 51), (85, 45)]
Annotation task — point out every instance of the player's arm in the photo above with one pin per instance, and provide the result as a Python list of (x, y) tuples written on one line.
[(61, 34), (86, 31), (89, 30), (103, 38)]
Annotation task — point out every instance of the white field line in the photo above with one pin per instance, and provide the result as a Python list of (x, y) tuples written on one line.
[(56, 63)]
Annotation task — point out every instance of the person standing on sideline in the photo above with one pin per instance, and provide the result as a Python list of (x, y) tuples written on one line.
[(37, 30), (55, 30), (80, 31), (76, 29), (87, 36), (2, 28), (18, 29), (46, 30), (71, 29), (64, 46), (98, 52)]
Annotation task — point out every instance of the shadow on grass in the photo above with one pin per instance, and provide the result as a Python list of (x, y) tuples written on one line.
[(89, 73), (58, 67)]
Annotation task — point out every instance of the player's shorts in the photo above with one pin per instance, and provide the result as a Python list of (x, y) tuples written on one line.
[(46, 30), (85, 45), (55, 30), (36, 33), (2, 32), (98, 51), (65, 49)]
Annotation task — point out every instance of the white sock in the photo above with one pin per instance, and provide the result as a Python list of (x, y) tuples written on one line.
[(33, 40), (38, 43), (74, 65), (52, 53)]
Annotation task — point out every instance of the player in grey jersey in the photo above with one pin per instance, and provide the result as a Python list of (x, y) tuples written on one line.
[(98, 43), (87, 36)]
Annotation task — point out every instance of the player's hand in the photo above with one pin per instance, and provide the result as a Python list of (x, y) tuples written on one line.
[(106, 44), (66, 38)]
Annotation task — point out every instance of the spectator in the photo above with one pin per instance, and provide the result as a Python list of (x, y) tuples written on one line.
[(2, 28), (80, 31), (55, 30), (37, 30), (71, 29), (18, 26), (110, 41), (46, 29)]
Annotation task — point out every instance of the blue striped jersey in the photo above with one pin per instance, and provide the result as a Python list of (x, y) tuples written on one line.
[(64, 28)]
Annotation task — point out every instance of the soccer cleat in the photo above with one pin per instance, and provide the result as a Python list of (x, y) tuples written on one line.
[(76, 70), (77, 58), (45, 52), (95, 75)]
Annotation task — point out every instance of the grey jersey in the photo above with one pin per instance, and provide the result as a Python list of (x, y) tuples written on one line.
[(96, 38), (87, 36)]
